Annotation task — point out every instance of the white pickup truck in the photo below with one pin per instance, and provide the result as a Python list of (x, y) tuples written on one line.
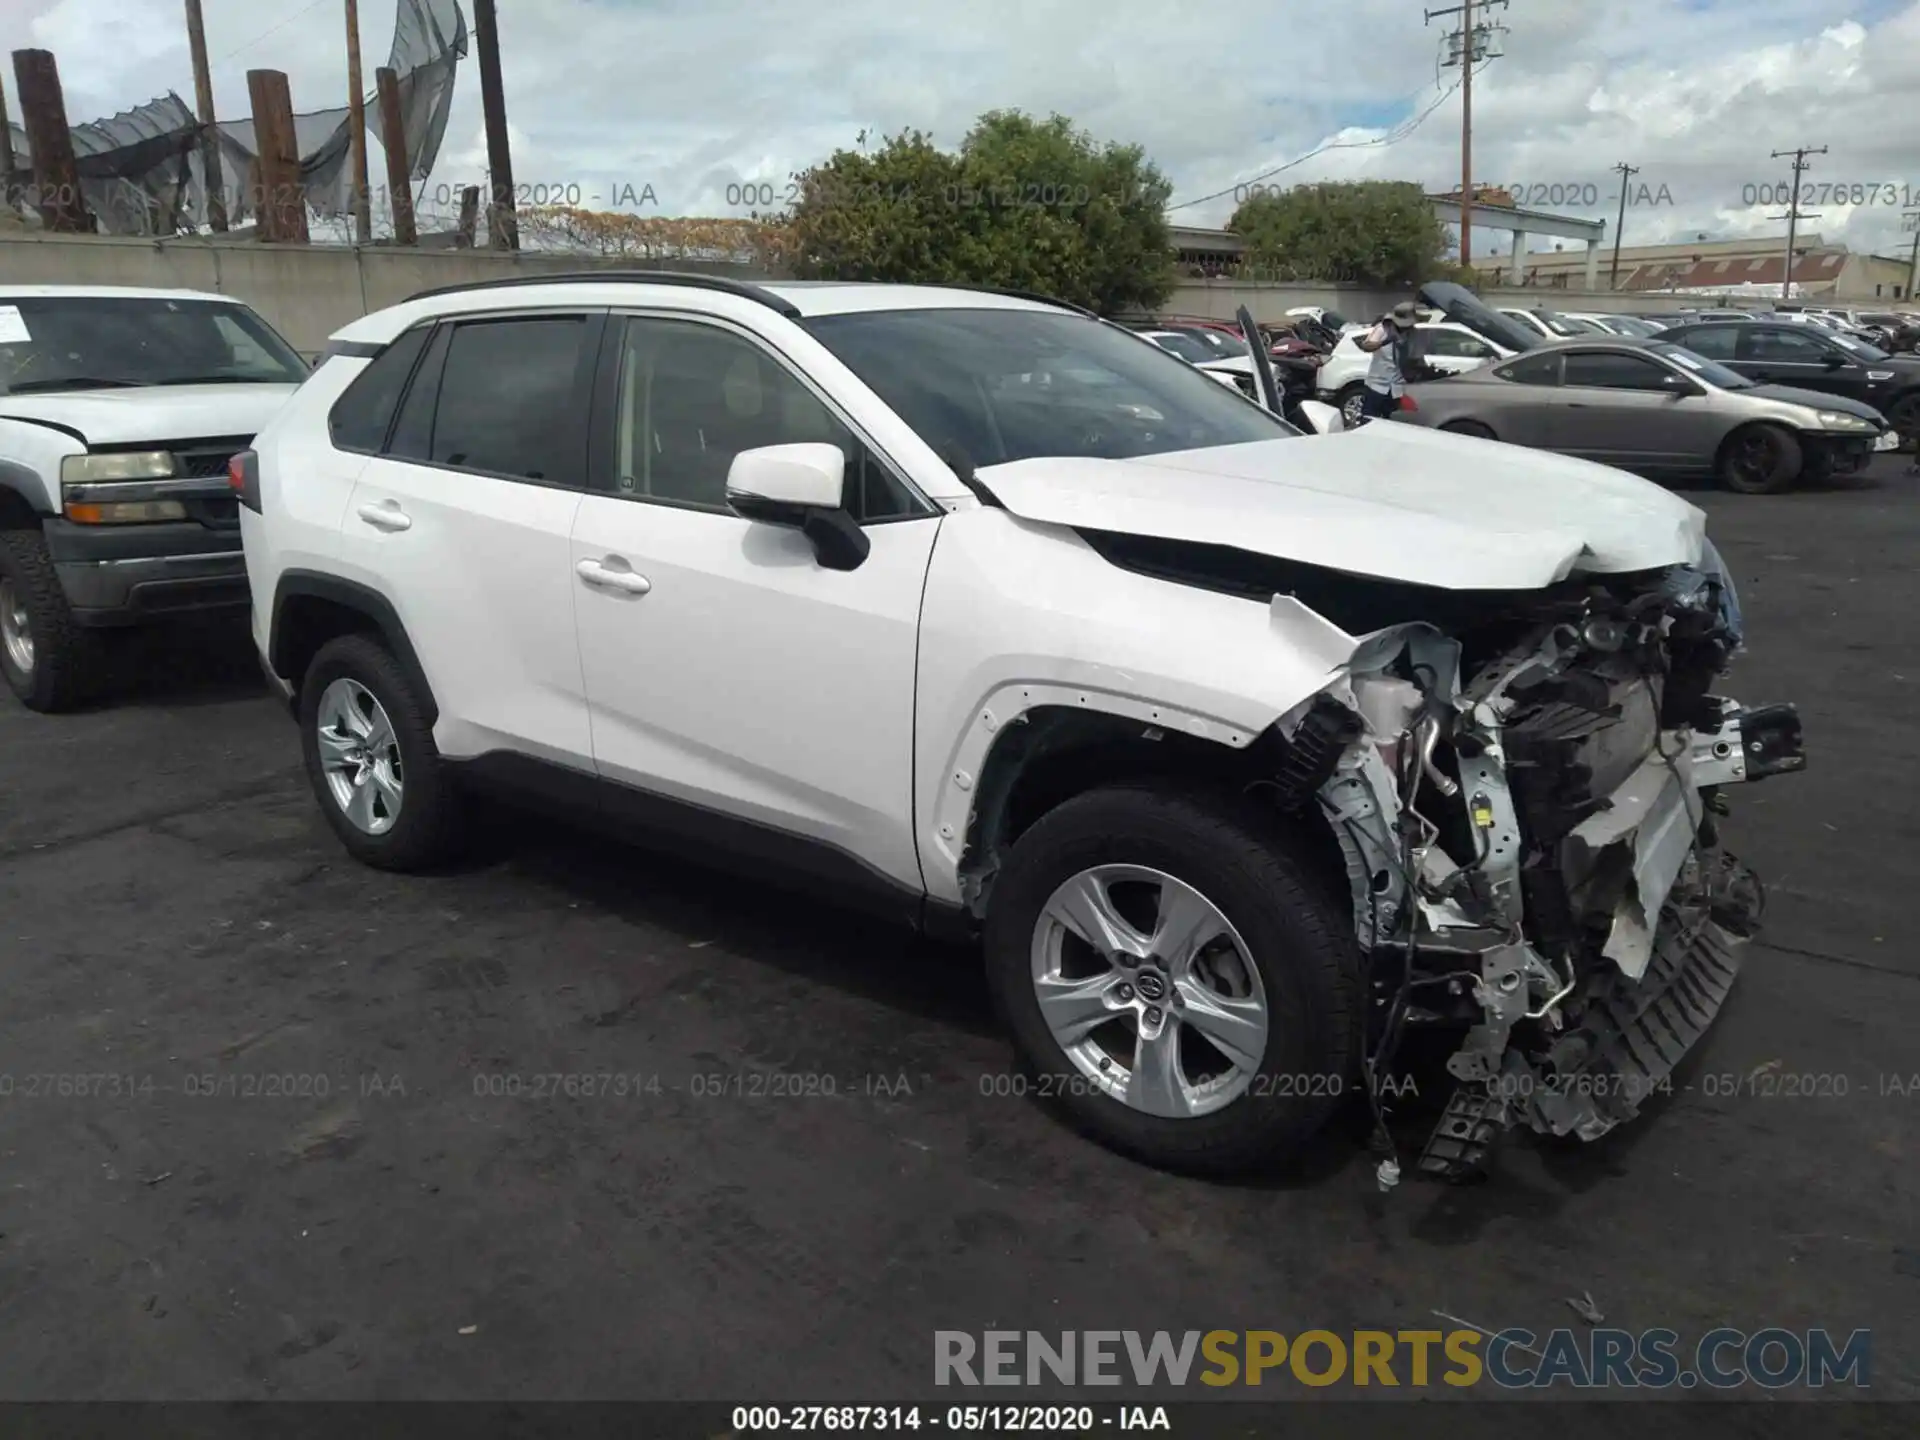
[(119, 410)]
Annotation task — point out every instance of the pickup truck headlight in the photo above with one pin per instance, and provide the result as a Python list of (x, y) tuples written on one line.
[(123, 471), (133, 465), (1834, 420)]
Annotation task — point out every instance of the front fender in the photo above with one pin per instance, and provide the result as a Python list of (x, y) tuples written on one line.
[(1019, 615), (30, 456)]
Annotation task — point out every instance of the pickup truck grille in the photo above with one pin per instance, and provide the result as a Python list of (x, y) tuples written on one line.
[(201, 459)]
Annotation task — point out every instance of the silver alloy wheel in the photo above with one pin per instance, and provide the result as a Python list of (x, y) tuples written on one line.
[(359, 755), (16, 628), (1353, 411), (1167, 1015)]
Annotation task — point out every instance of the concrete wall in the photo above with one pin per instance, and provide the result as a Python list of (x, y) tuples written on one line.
[(306, 291)]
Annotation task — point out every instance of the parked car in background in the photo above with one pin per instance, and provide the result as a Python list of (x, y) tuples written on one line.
[(1183, 343), (1902, 331), (119, 409), (1440, 345), (1552, 325), (1777, 353), (1657, 409), (1613, 324)]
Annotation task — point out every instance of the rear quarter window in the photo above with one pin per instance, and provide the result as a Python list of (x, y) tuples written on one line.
[(361, 417)]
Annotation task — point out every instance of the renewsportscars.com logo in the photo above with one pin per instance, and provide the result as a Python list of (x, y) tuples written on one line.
[(1600, 1358)]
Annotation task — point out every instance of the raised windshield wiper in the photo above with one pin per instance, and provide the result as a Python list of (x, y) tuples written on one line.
[(75, 382)]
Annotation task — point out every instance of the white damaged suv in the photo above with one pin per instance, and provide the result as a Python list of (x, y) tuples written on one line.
[(1246, 753)]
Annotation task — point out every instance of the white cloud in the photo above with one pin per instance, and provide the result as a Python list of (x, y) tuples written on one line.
[(690, 97)]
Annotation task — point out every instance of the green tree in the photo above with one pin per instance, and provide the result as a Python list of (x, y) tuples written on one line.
[(1375, 232), (1023, 204)]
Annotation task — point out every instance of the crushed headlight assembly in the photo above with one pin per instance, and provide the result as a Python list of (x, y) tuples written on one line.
[(1834, 420), (131, 465)]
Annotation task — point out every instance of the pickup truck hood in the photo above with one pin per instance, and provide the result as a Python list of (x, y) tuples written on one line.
[(1393, 501), (152, 412)]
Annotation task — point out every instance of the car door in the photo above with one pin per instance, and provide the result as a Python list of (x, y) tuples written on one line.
[(1786, 355), (741, 695), (1628, 409), (1522, 410), (1452, 351), (465, 524)]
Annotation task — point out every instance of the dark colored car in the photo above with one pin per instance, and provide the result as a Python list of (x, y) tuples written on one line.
[(1811, 359)]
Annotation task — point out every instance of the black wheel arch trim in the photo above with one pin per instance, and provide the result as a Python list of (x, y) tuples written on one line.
[(354, 596), (25, 482)]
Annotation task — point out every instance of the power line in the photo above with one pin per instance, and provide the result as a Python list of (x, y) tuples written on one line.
[(1394, 136), (271, 29)]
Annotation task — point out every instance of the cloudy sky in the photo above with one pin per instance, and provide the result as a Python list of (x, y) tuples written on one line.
[(692, 97)]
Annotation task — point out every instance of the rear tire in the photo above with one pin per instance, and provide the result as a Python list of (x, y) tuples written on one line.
[(50, 661), (1469, 427), (372, 762), (1760, 460), (1304, 984)]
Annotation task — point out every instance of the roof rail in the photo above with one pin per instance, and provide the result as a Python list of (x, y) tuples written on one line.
[(693, 280)]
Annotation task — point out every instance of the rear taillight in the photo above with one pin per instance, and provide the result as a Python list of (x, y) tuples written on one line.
[(243, 476), (1406, 403)]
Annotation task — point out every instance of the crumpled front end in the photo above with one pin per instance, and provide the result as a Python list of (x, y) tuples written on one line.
[(1529, 807)]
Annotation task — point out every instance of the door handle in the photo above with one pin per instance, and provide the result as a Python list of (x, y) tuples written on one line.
[(387, 515), (601, 578)]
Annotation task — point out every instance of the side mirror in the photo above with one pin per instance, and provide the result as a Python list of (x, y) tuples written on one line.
[(1835, 362), (1678, 387), (1324, 418), (802, 487)]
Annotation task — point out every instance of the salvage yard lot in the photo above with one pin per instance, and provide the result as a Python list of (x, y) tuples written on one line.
[(308, 1182)]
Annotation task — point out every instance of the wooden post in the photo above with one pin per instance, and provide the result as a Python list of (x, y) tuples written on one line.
[(503, 230), (357, 125), (211, 170), (393, 133), (281, 204), (9, 182), (56, 177), (469, 216)]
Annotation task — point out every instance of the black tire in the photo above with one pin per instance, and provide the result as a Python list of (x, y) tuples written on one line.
[(1760, 460), (69, 660), (1469, 427), (429, 828), (1354, 395), (1300, 941)]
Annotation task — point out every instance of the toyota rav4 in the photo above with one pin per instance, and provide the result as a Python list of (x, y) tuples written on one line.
[(1244, 753), (119, 410)]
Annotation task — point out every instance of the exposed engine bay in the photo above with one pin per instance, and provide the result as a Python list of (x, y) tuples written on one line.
[(1528, 804)]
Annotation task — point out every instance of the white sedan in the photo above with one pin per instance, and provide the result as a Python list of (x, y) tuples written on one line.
[(1440, 344)]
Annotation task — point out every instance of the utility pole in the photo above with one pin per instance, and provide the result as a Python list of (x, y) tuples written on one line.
[(56, 175), (9, 184), (1472, 42), (1793, 217), (210, 169), (1911, 218), (1627, 172), (503, 231), (357, 131), (393, 133), (280, 213)]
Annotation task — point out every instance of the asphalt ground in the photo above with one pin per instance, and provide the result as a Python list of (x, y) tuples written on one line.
[(304, 1184)]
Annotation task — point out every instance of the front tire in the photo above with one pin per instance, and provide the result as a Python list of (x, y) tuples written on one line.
[(1353, 404), (1172, 975), (371, 759), (1469, 427), (50, 661), (1760, 460), (1904, 416)]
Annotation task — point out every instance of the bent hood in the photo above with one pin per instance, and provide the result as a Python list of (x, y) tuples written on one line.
[(1392, 501), (152, 412)]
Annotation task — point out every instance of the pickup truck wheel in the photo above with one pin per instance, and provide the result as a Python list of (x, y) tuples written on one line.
[(50, 662), (1760, 460), (371, 759), (1174, 979)]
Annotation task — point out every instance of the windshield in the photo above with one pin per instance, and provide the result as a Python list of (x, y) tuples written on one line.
[(1221, 344), (1711, 371), (1859, 349), (1563, 325), (1004, 385), (100, 342)]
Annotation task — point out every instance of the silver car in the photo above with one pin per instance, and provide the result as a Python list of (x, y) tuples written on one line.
[(1649, 406)]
